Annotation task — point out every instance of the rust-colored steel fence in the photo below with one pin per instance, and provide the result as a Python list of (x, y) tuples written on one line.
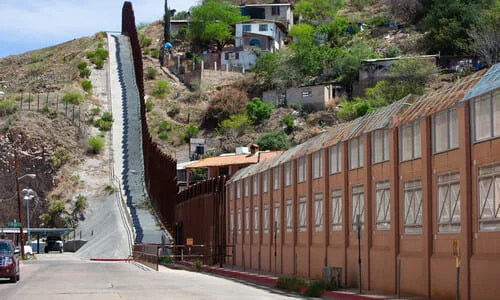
[(146, 254)]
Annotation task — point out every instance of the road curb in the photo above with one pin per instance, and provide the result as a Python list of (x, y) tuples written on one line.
[(111, 259)]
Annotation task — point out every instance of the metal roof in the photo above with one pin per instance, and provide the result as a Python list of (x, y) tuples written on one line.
[(438, 100), (489, 82)]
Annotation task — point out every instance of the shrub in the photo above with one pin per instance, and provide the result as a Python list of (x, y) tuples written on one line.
[(226, 102), (165, 260), (273, 141), (287, 121), (144, 41), (182, 32), (190, 132), (7, 107), (85, 73), (353, 109), (235, 126), (164, 126), (149, 106), (197, 265), (155, 53), (95, 111), (162, 88), (59, 157), (56, 208), (257, 110), (87, 86), (147, 51), (100, 45), (290, 284), (96, 144), (392, 51), (316, 288), (101, 53), (107, 116), (45, 109), (80, 203), (82, 65), (150, 74), (103, 125), (53, 114), (110, 189), (72, 97), (163, 135), (99, 63), (174, 110)]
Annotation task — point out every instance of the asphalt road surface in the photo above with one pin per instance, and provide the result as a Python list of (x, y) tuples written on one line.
[(64, 276)]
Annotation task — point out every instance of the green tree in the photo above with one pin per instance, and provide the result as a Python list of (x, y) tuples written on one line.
[(223, 103), (273, 141), (190, 132), (448, 22), (257, 110), (485, 37), (347, 64), (235, 126), (302, 33), (211, 22)]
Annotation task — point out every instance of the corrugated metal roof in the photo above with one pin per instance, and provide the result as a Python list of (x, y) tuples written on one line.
[(237, 159), (438, 100), (489, 82)]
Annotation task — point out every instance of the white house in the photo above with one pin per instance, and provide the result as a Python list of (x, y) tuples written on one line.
[(276, 12)]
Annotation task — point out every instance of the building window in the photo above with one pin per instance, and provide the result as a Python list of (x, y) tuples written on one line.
[(356, 155), (380, 146), (277, 222), (317, 164), (448, 194), (318, 212), (383, 205), (486, 116), (445, 129), (489, 197), (288, 215), (247, 220), (302, 214), (280, 99), (275, 10), (262, 27), (306, 93), (266, 218), (410, 141), (231, 222), (276, 178), (245, 188), (238, 189), (288, 173), (247, 27), (335, 156), (265, 181), (239, 220), (358, 206), (255, 184), (256, 219), (336, 210), (301, 169), (412, 206)]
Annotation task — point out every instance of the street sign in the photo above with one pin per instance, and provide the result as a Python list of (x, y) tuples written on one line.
[(189, 242), (14, 224)]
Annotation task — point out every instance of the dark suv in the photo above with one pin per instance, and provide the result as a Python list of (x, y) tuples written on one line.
[(9, 261), (53, 243)]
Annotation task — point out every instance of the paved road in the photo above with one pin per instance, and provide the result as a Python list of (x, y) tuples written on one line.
[(64, 276)]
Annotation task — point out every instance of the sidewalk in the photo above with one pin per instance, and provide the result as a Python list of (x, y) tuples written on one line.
[(268, 280)]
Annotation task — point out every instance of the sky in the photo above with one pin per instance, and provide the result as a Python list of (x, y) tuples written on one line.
[(33, 24)]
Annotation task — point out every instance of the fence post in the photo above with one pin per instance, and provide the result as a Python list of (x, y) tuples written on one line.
[(21, 101), (215, 66), (66, 105), (29, 101), (57, 102), (47, 100), (79, 115), (38, 102), (73, 118), (227, 68), (178, 65)]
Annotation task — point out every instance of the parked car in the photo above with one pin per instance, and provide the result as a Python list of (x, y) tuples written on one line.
[(9, 261), (53, 243)]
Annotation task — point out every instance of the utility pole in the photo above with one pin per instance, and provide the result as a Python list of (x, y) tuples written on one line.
[(166, 20), (20, 208)]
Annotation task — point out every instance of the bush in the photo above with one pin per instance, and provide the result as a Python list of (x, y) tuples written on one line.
[(155, 53), (99, 63), (392, 51), (87, 86), (257, 110), (174, 110), (287, 121), (165, 260), (73, 98), (235, 126), (85, 73), (96, 144), (273, 141), (147, 51), (163, 135), (182, 32), (149, 106), (150, 74), (161, 90), (95, 111), (164, 126), (190, 132), (290, 284), (59, 157), (226, 102), (80, 203), (110, 189), (7, 107), (353, 109), (144, 41), (82, 65), (45, 109), (107, 116), (316, 288), (103, 125)]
